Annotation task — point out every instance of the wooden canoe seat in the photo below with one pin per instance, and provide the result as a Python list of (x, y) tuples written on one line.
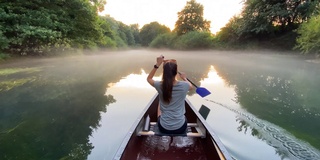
[(151, 129)]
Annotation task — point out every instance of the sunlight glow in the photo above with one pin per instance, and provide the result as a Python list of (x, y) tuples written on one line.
[(165, 11), (133, 81), (213, 77)]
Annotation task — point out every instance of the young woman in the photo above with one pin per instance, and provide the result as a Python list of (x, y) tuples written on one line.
[(172, 94)]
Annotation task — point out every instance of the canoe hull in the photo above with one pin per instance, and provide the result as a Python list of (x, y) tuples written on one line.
[(170, 147)]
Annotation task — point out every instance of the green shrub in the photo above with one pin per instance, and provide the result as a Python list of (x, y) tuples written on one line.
[(4, 42), (308, 40), (164, 41), (194, 40)]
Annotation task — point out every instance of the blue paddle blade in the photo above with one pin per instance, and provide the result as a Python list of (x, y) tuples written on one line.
[(202, 91)]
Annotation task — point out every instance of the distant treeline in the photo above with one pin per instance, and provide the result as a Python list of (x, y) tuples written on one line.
[(38, 27)]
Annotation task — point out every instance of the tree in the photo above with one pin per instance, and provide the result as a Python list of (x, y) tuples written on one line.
[(229, 33), (4, 42), (126, 34), (99, 4), (150, 31), (191, 19), (108, 34), (122, 34), (29, 27), (194, 40), (37, 26), (136, 33), (309, 39), (269, 17), (83, 19), (166, 40)]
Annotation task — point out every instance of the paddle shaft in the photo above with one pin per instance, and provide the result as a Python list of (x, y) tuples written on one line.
[(192, 83), (200, 90), (189, 81)]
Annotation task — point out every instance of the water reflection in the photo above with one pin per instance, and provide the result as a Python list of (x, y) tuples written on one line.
[(285, 98), (132, 93), (285, 145), (212, 78), (64, 108), (133, 81), (45, 117)]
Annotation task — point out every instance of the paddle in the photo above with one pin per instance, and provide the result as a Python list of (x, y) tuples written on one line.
[(200, 90)]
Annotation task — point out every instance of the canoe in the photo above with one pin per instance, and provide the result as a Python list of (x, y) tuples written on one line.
[(144, 141)]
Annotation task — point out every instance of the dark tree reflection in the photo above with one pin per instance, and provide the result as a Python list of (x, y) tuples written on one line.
[(284, 97), (51, 118)]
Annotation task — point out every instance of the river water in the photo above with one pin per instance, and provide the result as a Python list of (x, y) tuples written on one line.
[(263, 105)]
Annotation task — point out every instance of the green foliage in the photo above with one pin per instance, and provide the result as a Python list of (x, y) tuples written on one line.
[(36, 26), (99, 4), (83, 19), (255, 19), (105, 30), (194, 40), (136, 33), (191, 19), (28, 26), (309, 39), (230, 33), (123, 35), (191, 40), (4, 42), (266, 24), (150, 31), (266, 18), (166, 40)]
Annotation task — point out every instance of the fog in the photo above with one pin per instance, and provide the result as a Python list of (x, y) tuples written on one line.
[(74, 97)]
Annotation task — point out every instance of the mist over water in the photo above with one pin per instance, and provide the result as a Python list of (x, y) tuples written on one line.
[(82, 106)]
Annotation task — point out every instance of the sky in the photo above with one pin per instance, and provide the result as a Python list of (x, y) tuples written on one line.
[(165, 11)]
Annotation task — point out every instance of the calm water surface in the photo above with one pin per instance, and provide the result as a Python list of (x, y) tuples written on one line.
[(263, 106)]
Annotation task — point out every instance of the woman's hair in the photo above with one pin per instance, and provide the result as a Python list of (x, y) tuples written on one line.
[(170, 70)]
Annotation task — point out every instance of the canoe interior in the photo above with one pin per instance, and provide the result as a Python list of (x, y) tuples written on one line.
[(169, 147)]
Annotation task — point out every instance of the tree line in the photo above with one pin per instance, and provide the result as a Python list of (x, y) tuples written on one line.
[(289, 24), (38, 27)]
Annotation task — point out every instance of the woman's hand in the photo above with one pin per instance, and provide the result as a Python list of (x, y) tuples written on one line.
[(153, 71), (160, 60)]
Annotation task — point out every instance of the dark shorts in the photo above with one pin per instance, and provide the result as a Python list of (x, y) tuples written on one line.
[(180, 130)]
